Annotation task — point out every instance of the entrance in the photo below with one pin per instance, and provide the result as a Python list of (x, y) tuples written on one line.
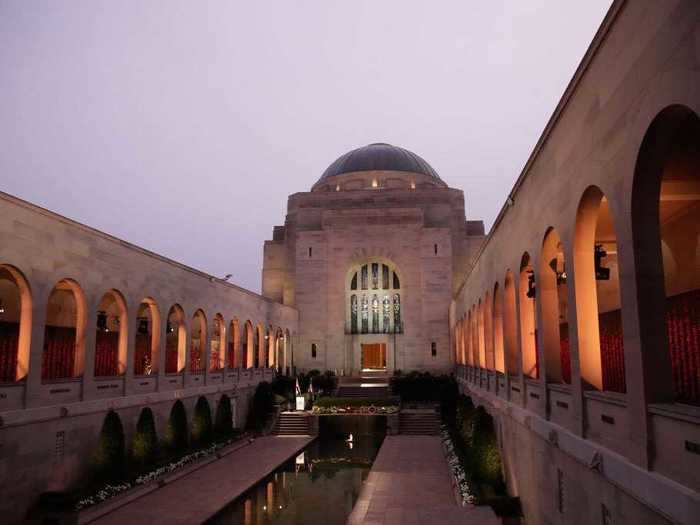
[(374, 356)]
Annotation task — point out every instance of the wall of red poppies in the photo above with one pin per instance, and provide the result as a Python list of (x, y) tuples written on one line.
[(58, 358), (612, 351), (142, 354), (9, 344), (683, 328), (106, 354)]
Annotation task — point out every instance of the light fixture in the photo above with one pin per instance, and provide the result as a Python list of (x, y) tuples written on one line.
[(2, 307), (561, 274), (374, 183), (601, 273), (531, 291), (102, 321), (169, 327)]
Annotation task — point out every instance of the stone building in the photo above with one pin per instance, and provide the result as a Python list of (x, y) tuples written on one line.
[(369, 258)]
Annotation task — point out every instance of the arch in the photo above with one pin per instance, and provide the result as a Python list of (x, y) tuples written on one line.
[(63, 355), (666, 212), (270, 340), (553, 292), (111, 335), (458, 342), (474, 339), (217, 346), (279, 350), (147, 338), (198, 341), (233, 355), (260, 350), (488, 333), (15, 324), (499, 356), (481, 342), (372, 298), (288, 352), (598, 299), (528, 320), (248, 345), (144, 444), (176, 433), (175, 340), (510, 325), (109, 458)]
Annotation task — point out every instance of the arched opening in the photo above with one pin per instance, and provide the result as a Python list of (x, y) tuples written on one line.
[(63, 355), (270, 340), (233, 356), (666, 232), (175, 340), (260, 347), (598, 302), (528, 323), (15, 324), (458, 342), (248, 346), (217, 351), (279, 350), (499, 357), (552, 287), (147, 339), (490, 360), (288, 352), (510, 325), (111, 336), (481, 343), (474, 339), (372, 298), (198, 338)]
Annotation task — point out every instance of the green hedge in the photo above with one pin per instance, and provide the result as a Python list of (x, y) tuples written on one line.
[(144, 445), (223, 424), (109, 458), (176, 441), (424, 387), (327, 402)]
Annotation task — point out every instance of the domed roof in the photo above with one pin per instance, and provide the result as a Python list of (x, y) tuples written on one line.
[(379, 157)]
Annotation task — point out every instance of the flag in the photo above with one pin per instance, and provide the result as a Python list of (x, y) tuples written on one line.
[(311, 387), (298, 388)]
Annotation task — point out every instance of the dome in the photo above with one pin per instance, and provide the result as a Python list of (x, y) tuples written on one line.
[(379, 157)]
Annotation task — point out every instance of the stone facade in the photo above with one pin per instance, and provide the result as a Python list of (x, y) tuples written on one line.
[(574, 325)]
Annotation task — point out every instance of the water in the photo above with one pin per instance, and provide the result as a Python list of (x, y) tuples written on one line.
[(318, 486)]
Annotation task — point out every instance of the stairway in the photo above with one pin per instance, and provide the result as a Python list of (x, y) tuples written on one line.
[(363, 391), (419, 422), (292, 424)]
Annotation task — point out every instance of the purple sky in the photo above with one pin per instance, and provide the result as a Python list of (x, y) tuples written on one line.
[(183, 126)]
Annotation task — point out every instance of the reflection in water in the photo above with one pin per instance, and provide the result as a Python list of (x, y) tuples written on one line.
[(320, 485)]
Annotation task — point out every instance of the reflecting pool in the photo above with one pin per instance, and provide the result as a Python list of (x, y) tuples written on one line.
[(318, 486)]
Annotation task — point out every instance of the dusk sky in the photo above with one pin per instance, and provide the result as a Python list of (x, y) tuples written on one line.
[(182, 127)]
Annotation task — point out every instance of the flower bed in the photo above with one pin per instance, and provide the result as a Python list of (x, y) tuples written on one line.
[(461, 480), (368, 410), (110, 490)]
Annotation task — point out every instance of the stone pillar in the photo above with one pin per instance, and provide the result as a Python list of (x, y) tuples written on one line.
[(32, 394)]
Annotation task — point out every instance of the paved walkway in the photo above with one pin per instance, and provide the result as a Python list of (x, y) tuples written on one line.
[(410, 484), (198, 495)]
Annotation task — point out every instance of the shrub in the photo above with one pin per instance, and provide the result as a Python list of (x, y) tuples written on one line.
[(109, 457), (201, 423), (283, 386), (223, 423), (261, 408), (144, 446), (354, 402), (424, 387), (176, 430), (325, 383)]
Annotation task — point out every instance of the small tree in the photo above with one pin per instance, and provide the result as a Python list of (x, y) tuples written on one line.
[(223, 423), (144, 446), (201, 423), (109, 457), (176, 431)]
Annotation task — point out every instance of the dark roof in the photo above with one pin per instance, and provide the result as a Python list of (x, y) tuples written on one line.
[(379, 157)]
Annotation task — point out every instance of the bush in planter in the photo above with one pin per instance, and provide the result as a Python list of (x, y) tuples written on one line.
[(108, 460), (176, 431), (201, 423), (144, 445), (487, 457), (284, 386), (223, 423), (262, 405), (325, 383)]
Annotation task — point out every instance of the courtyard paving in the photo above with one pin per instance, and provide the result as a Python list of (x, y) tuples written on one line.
[(200, 494), (410, 484)]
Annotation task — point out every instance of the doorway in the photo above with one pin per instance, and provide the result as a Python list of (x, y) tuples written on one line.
[(374, 356)]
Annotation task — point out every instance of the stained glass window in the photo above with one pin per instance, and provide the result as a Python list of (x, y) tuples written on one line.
[(397, 285), (375, 276), (353, 284), (364, 277), (353, 314), (397, 312), (385, 277), (365, 314), (375, 314), (386, 314)]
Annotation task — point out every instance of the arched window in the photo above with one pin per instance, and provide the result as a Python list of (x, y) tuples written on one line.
[(175, 340), (270, 339), (499, 355), (553, 300), (260, 353), (375, 312), (217, 349), (147, 338), (528, 322), (598, 302), (15, 324), (110, 339), (248, 346), (198, 338), (233, 355), (313, 351), (510, 326), (63, 355), (666, 233), (280, 358)]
